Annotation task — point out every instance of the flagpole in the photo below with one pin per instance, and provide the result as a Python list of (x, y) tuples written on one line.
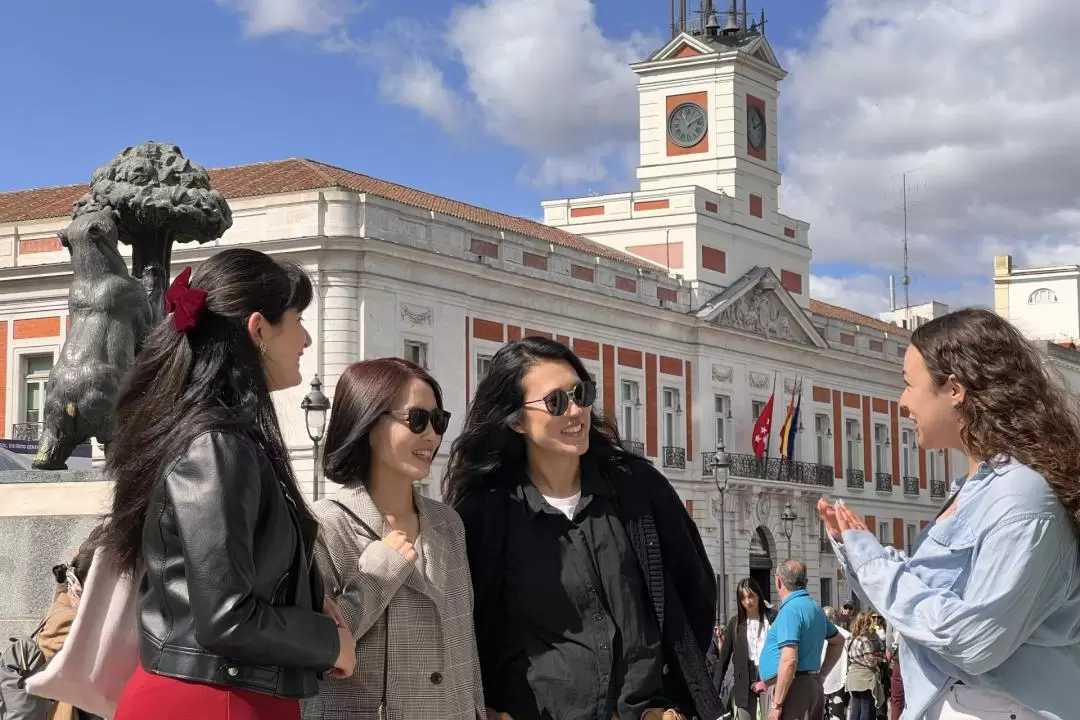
[(768, 440), (796, 398)]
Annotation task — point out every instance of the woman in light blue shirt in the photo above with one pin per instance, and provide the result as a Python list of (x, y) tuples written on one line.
[(988, 603)]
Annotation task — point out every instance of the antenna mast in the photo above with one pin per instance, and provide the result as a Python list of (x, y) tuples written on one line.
[(906, 280)]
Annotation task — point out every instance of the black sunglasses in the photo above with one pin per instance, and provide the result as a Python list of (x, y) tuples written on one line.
[(557, 402), (417, 419)]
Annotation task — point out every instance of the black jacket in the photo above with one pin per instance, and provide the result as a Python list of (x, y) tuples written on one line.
[(735, 650), (672, 558), (229, 597)]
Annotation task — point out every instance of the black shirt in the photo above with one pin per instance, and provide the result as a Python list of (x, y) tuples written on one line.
[(578, 639)]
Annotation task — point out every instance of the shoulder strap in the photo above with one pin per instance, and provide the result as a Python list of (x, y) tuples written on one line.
[(372, 535)]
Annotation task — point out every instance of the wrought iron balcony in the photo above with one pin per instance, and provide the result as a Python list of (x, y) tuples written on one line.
[(824, 545), (675, 457), (937, 489), (776, 469), (633, 446), (30, 432), (883, 482), (911, 485), (855, 479)]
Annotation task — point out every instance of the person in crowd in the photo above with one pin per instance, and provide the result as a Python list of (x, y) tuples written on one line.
[(835, 682), (393, 559), (896, 680), (847, 613), (232, 618), (70, 579), (988, 603), (595, 597), (744, 639), (864, 669), (791, 658)]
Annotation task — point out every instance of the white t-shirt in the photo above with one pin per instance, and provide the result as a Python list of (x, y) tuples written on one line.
[(567, 505)]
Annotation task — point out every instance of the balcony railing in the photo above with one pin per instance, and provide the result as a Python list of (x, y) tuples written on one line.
[(911, 485), (824, 545), (855, 479), (635, 447), (937, 489), (883, 482), (30, 432), (776, 469), (675, 457)]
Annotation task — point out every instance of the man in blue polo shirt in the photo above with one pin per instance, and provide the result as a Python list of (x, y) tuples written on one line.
[(791, 664)]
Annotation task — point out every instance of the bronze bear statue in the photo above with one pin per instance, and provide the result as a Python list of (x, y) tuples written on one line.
[(110, 316)]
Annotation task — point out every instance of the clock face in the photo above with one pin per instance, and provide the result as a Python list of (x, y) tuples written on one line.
[(755, 127), (687, 124)]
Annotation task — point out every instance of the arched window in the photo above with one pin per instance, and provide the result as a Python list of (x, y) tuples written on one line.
[(1042, 295)]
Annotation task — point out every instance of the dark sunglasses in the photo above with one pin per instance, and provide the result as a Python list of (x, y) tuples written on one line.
[(417, 419), (557, 402)]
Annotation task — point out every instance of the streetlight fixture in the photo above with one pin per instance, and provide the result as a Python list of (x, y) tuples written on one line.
[(315, 405), (721, 470), (789, 516)]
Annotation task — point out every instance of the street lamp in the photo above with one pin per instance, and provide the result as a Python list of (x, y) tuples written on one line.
[(315, 405), (789, 517), (721, 469)]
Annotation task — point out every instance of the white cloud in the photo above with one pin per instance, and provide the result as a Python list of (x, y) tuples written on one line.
[(868, 293), (978, 97), (419, 83), (311, 17)]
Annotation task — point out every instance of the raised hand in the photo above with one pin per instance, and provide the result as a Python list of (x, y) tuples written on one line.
[(399, 542)]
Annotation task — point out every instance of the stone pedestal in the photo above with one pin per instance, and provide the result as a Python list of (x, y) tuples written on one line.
[(44, 517)]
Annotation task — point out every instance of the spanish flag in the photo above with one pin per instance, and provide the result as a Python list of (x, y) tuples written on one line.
[(790, 430)]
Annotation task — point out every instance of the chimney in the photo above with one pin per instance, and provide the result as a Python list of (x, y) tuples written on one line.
[(1003, 265)]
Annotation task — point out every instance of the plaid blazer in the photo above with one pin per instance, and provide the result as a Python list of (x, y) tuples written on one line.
[(433, 669)]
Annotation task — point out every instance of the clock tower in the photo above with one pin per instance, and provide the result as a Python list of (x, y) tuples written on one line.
[(706, 205), (708, 109)]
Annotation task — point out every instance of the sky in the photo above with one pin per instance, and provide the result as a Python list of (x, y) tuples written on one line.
[(505, 103)]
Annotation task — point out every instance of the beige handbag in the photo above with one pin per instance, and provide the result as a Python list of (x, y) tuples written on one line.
[(101, 652)]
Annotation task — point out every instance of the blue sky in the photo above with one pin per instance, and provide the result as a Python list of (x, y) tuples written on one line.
[(239, 81), (95, 77)]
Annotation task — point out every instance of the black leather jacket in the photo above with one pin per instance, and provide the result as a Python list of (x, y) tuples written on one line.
[(229, 597)]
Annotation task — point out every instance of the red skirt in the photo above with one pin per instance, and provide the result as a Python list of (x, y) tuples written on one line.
[(162, 698)]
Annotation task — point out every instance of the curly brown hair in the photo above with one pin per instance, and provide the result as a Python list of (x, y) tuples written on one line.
[(862, 625), (1013, 406)]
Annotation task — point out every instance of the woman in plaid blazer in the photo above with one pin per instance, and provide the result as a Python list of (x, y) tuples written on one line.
[(393, 559)]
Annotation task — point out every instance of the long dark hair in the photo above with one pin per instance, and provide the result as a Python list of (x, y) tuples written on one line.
[(209, 378), (1012, 405), (363, 394), (488, 452), (749, 584)]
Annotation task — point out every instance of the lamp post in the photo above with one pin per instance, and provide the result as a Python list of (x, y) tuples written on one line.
[(789, 516), (315, 405), (721, 469)]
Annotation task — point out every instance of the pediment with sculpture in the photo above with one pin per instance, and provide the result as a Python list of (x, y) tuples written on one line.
[(758, 304)]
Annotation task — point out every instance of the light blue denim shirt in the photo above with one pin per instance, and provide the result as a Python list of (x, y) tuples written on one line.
[(990, 595)]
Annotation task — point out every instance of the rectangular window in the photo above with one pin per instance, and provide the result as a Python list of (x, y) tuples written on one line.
[(932, 464), (912, 532), (853, 439), (722, 409), (881, 448), (631, 407), (36, 370), (826, 591), (906, 452), (884, 532), (483, 364), (417, 352), (822, 436), (756, 408), (671, 408)]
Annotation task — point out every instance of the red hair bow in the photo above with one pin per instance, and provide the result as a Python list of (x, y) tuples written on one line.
[(184, 302)]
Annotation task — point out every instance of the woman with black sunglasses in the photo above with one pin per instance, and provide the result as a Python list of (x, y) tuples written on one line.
[(593, 593), (393, 559)]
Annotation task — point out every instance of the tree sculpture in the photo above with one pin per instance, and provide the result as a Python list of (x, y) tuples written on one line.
[(149, 196), (159, 197)]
